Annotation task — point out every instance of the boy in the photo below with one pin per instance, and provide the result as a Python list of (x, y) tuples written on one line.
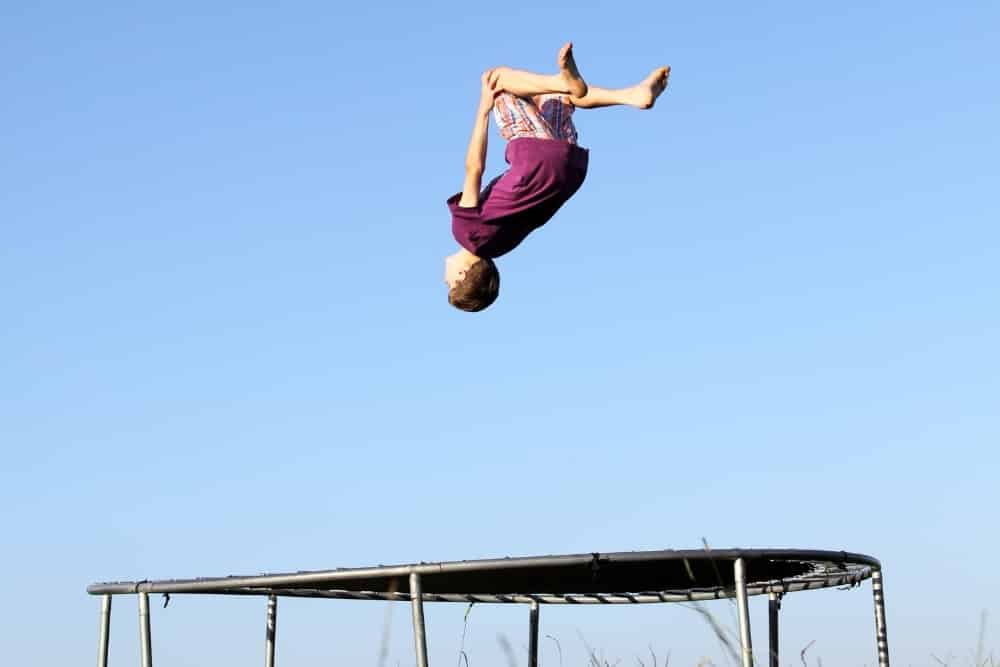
[(534, 114)]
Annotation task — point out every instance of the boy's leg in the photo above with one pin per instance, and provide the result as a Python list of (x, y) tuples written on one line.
[(642, 95), (529, 84)]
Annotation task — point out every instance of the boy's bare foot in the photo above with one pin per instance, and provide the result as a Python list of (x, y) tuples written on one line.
[(645, 93), (570, 74)]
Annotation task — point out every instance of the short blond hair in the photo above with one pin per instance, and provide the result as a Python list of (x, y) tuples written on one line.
[(478, 289)]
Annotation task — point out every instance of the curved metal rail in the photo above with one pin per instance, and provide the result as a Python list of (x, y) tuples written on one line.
[(595, 578)]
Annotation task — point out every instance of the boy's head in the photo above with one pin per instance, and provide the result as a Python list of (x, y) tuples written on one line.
[(473, 282)]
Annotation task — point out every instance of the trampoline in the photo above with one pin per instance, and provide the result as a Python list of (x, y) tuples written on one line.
[(637, 577)]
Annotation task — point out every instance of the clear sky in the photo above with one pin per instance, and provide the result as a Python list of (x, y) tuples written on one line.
[(769, 318)]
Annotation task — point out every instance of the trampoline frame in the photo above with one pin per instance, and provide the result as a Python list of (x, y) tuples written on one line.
[(825, 569)]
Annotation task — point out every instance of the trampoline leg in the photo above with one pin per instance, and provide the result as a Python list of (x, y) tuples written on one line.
[(773, 606), (272, 628), (739, 574), (419, 630), (881, 640), (145, 643), (102, 644), (533, 635)]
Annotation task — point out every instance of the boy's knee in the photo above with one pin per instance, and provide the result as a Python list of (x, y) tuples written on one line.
[(502, 75)]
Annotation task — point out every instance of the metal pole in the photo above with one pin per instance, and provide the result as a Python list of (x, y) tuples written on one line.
[(881, 640), (773, 606), (145, 643), (533, 635), (102, 644), (272, 627), (419, 631), (739, 575)]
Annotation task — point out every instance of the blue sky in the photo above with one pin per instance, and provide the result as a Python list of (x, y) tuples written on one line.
[(768, 319)]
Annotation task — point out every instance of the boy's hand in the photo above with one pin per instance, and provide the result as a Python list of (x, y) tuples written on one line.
[(489, 91)]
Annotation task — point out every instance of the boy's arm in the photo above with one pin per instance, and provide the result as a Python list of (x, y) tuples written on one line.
[(475, 162), (475, 157)]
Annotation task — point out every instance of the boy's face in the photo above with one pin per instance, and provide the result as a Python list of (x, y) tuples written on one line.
[(454, 269)]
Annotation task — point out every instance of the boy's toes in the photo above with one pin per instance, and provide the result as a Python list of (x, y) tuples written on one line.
[(570, 73)]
